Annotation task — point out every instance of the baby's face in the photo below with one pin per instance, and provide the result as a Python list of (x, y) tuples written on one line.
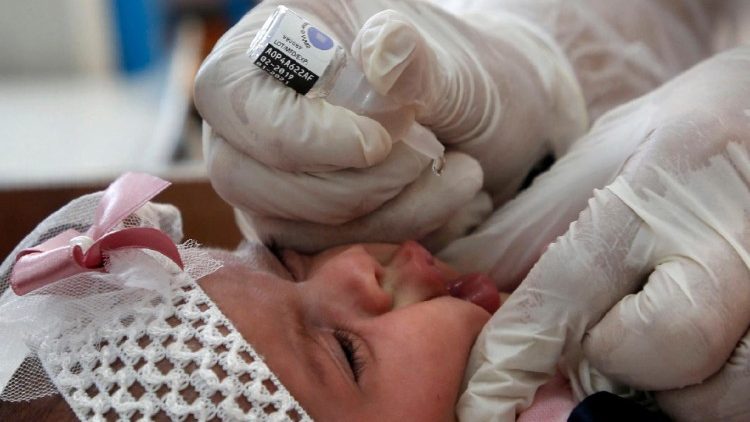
[(365, 332)]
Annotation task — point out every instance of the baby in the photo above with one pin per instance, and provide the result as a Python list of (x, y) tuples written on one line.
[(361, 332)]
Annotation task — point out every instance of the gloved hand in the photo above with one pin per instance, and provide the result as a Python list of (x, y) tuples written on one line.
[(619, 50), (299, 169), (651, 286)]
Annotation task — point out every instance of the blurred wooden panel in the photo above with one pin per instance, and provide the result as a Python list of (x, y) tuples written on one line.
[(206, 217)]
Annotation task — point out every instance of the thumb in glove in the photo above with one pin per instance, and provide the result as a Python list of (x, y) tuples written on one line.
[(476, 90)]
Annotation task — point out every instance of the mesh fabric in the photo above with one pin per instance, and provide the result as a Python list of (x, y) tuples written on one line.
[(139, 342)]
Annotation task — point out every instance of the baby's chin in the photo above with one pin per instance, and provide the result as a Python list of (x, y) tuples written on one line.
[(459, 318)]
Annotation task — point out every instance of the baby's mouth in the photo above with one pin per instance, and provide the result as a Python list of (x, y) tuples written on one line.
[(476, 288)]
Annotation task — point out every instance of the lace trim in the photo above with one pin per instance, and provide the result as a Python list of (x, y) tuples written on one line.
[(182, 360)]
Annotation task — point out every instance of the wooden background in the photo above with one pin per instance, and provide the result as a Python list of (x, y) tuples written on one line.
[(206, 218)]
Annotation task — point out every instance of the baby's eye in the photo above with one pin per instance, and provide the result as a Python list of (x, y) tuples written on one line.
[(350, 346)]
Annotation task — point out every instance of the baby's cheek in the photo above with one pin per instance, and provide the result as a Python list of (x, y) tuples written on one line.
[(461, 320), (424, 348), (442, 328)]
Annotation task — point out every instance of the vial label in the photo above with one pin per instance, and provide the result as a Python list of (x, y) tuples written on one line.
[(292, 50)]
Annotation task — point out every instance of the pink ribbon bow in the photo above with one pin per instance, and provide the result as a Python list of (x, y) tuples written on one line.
[(70, 252)]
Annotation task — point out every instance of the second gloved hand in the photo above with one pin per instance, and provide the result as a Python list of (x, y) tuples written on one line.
[(651, 285)]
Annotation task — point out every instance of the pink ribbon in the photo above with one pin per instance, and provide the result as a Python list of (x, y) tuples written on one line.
[(71, 252)]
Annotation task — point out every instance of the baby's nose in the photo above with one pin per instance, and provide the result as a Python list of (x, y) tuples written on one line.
[(411, 250), (412, 276)]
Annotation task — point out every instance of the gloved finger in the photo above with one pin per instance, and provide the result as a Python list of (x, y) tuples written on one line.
[(410, 66), (686, 321), (536, 216), (324, 198), (419, 209), (580, 276), (665, 336), (264, 119), (718, 398), (466, 219), (397, 59)]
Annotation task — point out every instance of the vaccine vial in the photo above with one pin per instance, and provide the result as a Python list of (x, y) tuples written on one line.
[(302, 57)]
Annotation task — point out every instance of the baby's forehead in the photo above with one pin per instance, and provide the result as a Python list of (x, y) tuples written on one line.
[(248, 288)]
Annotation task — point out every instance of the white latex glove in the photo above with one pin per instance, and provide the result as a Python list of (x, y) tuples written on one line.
[(651, 286), (304, 168), (619, 50)]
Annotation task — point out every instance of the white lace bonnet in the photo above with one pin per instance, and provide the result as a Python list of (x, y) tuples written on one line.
[(121, 331)]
